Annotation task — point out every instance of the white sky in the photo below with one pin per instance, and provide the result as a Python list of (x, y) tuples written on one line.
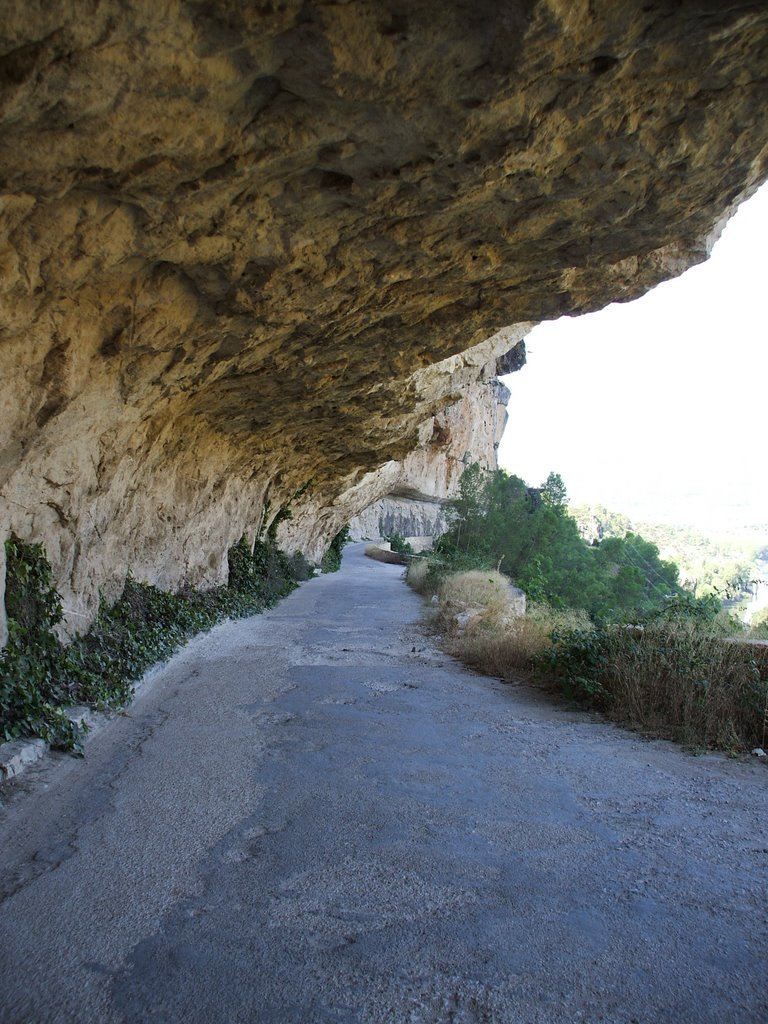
[(657, 408)]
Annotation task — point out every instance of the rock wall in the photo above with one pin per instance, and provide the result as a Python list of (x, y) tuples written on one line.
[(468, 431), (406, 516), (249, 252), (469, 427)]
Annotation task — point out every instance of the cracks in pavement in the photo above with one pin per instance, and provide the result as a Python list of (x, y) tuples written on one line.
[(50, 855)]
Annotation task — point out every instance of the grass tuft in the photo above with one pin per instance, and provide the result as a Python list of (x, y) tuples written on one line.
[(484, 594), (511, 650)]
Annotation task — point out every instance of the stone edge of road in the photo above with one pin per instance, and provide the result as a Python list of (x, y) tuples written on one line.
[(16, 756)]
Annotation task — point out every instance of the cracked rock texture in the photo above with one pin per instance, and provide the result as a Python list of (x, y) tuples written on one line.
[(468, 431), (244, 245)]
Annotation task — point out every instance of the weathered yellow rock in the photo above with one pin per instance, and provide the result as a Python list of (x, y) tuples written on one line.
[(467, 431), (237, 238)]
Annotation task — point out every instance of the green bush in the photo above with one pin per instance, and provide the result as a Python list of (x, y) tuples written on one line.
[(398, 543), (40, 676), (332, 558), (300, 568), (496, 521), (576, 661), (34, 683)]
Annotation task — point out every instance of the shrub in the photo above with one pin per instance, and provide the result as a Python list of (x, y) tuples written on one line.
[(398, 543), (40, 676), (300, 568), (677, 678), (704, 611), (332, 558), (33, 680), (575, 659)]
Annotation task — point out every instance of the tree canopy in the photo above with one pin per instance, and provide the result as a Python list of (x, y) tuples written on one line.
[(497, 520)]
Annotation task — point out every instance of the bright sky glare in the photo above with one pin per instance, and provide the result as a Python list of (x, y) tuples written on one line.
[(657, 408)]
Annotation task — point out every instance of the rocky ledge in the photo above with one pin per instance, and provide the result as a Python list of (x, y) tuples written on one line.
[(252, 252)]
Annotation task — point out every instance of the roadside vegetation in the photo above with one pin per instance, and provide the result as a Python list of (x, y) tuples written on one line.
[(40, 677), (398, 543), (332, 558), (760, 624), (608, 623)]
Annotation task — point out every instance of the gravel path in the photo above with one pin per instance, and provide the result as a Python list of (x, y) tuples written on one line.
[(315, 816)]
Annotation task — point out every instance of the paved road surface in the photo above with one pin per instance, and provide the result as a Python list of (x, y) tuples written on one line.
[(306, 820)]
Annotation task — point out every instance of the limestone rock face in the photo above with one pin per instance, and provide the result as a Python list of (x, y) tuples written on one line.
[(467, 431), (245, 245), (413, 489), (419, 522)]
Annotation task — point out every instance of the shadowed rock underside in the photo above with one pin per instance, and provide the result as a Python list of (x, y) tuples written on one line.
[(250, 251)]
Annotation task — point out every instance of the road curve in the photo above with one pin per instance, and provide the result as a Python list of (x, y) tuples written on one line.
[(314, 816)]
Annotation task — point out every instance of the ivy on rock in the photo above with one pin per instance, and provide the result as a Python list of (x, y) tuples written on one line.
[(40, 676)]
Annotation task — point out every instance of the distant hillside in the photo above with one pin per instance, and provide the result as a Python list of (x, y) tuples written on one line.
[(722, 565)]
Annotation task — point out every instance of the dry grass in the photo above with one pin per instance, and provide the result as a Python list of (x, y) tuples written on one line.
[(487, 590), (687, 682), (508, 651), (677, 678), (417, 575)]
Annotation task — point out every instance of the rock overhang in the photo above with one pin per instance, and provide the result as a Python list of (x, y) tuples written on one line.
[(241, 241)]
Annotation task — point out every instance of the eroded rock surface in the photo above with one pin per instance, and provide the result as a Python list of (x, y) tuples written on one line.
[(240, 241), (467, 431), (416, 520)]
